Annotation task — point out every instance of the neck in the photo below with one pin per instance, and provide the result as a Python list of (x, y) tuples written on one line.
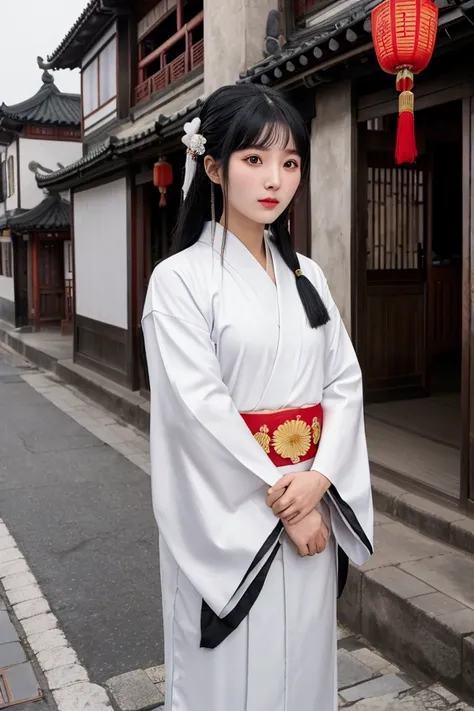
[(247, 231)]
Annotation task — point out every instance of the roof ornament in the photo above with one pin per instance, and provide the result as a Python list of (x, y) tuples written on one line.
[(273, 39), (47, 77), (43, 65)]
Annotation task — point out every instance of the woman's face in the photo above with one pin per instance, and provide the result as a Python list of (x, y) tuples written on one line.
[(263, 181)]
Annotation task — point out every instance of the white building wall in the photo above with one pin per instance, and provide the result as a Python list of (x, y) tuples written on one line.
[(100, 252), (48, 154), (234, 31), (6, 288), (331, 191)]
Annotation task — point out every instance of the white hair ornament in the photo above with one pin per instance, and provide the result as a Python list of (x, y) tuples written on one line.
[(196, 146)]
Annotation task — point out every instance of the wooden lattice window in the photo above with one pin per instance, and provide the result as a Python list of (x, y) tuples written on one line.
[(6, 257), (396, 218)]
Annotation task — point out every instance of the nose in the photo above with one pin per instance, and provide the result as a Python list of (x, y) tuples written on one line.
[(273, 177)]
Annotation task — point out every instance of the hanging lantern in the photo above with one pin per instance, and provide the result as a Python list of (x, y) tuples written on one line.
[(162, 177), (404, 35)]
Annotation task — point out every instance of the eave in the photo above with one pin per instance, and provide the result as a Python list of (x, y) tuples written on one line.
[(116, 153), (330, 53), (89, 26)]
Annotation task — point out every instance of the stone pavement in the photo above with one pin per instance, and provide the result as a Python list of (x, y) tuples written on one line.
[(80, 471), (366, 681), (19, 685)]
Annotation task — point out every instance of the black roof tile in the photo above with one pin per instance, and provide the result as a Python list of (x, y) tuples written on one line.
[(51, 215), (116, 146), (48, 106)]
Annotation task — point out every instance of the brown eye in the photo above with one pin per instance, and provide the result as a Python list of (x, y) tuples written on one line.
[(291, 164), (253, 160)]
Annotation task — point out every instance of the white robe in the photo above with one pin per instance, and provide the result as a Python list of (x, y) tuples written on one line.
[(249, 625)]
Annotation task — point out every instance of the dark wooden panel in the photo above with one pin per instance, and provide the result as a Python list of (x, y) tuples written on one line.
[(7, 310), (102, 348), (444, 289), (395, 358)]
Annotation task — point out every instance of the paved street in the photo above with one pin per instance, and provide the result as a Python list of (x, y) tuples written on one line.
[(79, 567)]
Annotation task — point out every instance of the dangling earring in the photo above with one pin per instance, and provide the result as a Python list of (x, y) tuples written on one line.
[(213, 213)]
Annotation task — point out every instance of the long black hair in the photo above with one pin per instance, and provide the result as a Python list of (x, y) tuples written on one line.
[(234, 118)]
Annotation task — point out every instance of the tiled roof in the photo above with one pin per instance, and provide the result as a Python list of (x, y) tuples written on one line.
[(87, 28), (332, 42), (345, 31), (52, 215), (48, 106), (124, 147), (4, 219)]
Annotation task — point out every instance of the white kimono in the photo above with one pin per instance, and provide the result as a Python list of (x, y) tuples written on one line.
[(249, 625)]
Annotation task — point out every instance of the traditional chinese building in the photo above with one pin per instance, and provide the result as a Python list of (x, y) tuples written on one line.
[(35, 248), (146, 67), (394, 241)]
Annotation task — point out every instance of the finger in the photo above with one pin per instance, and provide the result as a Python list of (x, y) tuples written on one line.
[(272, 498), (320, 542), (303, 551), (285, 481), (282, 504), (299, 516), (312, 547), (289, 512)]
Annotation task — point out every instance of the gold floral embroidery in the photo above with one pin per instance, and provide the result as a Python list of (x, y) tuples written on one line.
[(316, 427), (263, 438), (292, 439)]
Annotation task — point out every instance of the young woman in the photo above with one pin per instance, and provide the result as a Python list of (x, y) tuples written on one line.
[(260, 474)]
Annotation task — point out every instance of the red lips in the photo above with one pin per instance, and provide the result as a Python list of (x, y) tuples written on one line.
[(269, 202)]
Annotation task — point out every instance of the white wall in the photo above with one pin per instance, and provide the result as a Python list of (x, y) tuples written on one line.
[(48, 154), (100, 117), (100, 252), (331, 191), (6, 288), (234, 31)]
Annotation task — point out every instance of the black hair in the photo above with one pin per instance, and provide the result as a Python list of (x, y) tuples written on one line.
[(234, 118)]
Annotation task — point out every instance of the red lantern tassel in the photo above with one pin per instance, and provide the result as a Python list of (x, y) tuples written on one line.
[(405, 150)]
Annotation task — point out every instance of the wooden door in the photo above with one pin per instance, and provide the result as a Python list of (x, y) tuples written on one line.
[(20, 264), (50, 280), (395, 233)]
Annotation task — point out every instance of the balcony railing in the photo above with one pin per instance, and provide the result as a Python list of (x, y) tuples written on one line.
[(171, 71)]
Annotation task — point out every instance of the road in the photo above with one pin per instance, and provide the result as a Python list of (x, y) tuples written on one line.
[(79, 560)]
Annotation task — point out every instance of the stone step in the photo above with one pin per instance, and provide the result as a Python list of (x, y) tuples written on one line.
[(437, 520), (414, 600)]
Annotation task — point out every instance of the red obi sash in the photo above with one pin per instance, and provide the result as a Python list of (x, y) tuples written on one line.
[(287, 436)]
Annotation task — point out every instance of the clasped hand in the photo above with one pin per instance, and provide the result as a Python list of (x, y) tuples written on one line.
[(296, 494), (294, 499)]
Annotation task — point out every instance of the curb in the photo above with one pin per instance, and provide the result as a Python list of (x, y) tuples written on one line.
[(435, 520), (406, 619)]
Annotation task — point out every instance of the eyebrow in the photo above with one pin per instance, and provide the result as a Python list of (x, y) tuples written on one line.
[(288, 151)]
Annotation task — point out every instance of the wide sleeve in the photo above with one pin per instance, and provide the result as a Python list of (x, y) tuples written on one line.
[(209, 475), (342, 454)]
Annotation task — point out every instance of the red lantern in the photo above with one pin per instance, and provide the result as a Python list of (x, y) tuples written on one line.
[(162, 177), (404, 35)]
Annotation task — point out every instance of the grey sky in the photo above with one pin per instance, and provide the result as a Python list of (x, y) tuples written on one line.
[(31, 28)]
